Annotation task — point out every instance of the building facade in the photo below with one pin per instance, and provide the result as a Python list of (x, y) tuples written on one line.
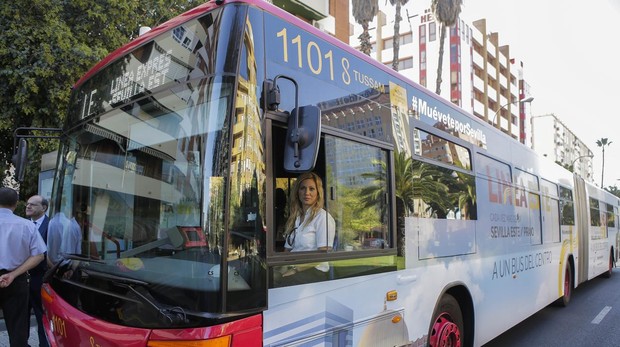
[(478, 72), (331, 16), (552, 139)]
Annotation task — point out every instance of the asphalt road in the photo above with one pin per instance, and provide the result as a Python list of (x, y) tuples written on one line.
[(591, 319), (33, 340)]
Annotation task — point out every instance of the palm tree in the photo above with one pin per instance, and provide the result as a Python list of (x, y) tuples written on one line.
[(363, 12), (447, 13), (462, 189), (396, 40), (413, 180), (602, 143)]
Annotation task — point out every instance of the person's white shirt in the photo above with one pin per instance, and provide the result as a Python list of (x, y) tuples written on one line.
[(317, 233)]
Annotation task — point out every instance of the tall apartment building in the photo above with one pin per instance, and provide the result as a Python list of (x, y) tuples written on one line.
[(331, 16), (552, 139), (479, 74)]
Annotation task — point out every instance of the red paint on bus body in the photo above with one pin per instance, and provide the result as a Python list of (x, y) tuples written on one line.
[(67, 326)]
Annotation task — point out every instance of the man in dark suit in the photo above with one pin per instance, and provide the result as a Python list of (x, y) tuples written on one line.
[(35, 210)]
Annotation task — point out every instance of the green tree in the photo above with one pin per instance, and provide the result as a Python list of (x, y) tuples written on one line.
[(356, 216), (45, 47), (363, 12), (603, 142), (447, 13), (613, 190), (462, 188), (396, 40)]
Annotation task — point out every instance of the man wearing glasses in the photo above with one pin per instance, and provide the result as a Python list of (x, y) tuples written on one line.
[(35, 210)]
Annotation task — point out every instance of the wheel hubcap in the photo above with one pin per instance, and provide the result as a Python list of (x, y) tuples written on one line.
[(445, 333)]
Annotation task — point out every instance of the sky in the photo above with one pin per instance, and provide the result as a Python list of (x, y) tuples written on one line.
[(571, 55)]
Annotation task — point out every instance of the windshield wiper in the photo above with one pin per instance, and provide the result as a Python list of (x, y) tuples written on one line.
[(63, 262), (173, 315)]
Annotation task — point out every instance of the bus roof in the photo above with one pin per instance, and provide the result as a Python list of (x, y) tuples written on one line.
[(264, 5)]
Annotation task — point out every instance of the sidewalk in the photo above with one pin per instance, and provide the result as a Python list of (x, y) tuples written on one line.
[(33, 341)]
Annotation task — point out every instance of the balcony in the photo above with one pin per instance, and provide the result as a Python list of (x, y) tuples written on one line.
[(478, 107), (479, 84), (478, 60), (309, 9)]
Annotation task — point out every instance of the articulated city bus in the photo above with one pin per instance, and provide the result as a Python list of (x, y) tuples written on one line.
[(174, 178)]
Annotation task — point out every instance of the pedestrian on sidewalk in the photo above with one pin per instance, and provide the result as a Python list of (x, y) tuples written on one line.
[(35, 210), (22, 248)]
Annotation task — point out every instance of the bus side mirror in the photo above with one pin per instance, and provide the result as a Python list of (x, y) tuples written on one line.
[(20, 159), (302, 142)]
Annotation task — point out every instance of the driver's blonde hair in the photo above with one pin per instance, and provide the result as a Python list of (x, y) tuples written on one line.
[(296, 207)]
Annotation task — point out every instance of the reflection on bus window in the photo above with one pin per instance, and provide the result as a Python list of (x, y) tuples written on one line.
[(566, 203), (357, 190), (550, 211), (595, 216), (611, 220), (442, 150), (442, 193), (494, 169), (526, 180), (149, 183)]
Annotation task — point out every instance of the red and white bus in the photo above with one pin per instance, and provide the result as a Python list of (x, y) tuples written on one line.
[(179, 153)]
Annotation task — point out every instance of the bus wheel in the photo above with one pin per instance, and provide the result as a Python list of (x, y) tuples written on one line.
[(607, 274), (447, 324), (568, 286)]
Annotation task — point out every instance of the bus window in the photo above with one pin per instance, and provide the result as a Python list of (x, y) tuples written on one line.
[(550, 211), (595, 216), (440, 191), (604, 218), (566, 203), (442, 150), (526, 185), (357, 194), (492, 168), (526, 180), (611, 221)]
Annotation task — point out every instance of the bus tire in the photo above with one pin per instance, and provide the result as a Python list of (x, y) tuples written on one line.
[(607, 274), (447, 327), (568, 287)]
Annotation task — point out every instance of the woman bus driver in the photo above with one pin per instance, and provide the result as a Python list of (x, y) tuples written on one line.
[(309, 226)]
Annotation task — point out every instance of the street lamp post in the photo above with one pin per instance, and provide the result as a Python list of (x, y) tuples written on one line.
[(572, 165), (524, 100)]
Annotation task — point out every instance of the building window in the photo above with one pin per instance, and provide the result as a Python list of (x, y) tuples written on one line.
[(404, 64), (422, 32), (403, 39), (455, 79), (388, 43), (406, 38), (454, 53), (432, 31)]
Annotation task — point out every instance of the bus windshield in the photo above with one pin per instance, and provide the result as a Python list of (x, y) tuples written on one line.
[(141, 210)]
